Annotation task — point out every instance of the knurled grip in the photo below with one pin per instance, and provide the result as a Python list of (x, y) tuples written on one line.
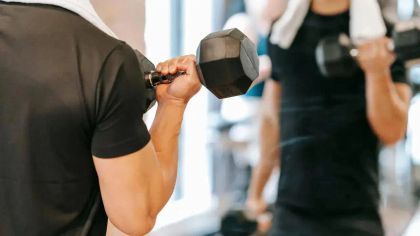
[(154, 78)]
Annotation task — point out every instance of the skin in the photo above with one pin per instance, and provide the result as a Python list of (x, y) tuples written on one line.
[(146, 178), (387, 104)]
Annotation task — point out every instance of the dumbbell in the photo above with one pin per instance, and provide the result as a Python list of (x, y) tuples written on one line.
[(236, 223), (335, 55), (227, 63), (239, 221)]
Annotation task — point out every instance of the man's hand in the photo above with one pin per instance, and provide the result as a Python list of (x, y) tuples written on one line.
[(182, 88), (256, 207), (375, 58)]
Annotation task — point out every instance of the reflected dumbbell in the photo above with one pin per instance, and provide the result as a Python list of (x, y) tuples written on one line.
[(335, 55)]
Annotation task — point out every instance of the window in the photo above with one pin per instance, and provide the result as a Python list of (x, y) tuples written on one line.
[(170, 33)]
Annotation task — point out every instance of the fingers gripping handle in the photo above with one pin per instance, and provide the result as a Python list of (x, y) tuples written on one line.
[(154, 78), (354, 52)]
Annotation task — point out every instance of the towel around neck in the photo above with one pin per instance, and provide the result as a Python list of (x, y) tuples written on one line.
[(81, 7), (366, 21)]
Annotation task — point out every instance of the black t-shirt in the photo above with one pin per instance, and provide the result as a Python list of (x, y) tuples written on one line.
[(67, 91), (329, 153)]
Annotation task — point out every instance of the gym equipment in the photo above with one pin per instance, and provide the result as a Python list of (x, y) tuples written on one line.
[(227, 64), (335, 55), (237, 223)]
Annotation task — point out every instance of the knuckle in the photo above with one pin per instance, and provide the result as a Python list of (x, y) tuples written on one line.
[(182, 60), (159, 67), (189, 58), (175, 62), (163, 64), (172, 62)]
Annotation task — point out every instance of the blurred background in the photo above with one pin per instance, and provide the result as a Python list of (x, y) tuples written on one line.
[(219, 141)]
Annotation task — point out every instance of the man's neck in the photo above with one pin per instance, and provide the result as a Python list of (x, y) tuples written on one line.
[(330, 7)]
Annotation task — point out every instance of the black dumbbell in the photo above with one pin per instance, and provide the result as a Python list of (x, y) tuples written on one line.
[(227, 63), (335, 55), (240, 222), (236, 223)]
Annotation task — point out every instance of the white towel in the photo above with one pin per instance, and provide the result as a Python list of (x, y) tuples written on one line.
[(366, 21), (81, 7)]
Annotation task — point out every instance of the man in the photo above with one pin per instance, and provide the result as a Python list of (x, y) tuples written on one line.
[(329, 131), (74, 149)]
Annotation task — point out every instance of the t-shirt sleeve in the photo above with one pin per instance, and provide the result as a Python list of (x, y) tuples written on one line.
[(119, 105), (273, 52)]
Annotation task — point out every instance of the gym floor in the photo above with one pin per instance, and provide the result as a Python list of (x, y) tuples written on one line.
[(395, 220)]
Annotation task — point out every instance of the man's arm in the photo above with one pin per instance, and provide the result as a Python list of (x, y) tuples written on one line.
[(387, 102), (135, 187), (269, 146)]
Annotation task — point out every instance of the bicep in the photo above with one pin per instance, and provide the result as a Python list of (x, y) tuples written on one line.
[(126, 183)]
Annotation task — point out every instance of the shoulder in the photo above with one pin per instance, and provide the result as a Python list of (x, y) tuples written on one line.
[(69, 27)]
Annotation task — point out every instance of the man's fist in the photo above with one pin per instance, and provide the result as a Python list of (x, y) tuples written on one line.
[(375, 58), (183, 87), (256, 207)]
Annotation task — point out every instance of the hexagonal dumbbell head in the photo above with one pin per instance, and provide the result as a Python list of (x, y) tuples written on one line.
[(406, 40), (228, 63)]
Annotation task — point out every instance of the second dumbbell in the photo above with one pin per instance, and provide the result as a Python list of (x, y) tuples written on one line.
[(336, 55)]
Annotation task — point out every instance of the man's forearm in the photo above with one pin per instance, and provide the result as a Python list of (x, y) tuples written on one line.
[(386, 110), (165, 133)]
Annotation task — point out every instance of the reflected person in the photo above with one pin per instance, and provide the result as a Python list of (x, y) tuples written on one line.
[(329, 130)]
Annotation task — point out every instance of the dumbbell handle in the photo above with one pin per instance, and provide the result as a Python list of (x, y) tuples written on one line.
[(154, 78), (354, 52)]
